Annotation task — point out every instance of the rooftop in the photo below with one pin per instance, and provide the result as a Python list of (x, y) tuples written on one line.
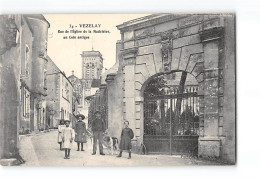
[(37, 16), (57, 69), (91, 53), (149, 20)]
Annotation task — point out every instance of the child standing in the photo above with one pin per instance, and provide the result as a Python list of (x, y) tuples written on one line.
[(80, 131), (67, 139), (60, 128), (125, 142)]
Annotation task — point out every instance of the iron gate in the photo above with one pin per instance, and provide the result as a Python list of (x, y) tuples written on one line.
[(171, 122)]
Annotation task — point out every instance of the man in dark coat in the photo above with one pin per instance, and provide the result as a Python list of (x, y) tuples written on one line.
[(98, 127), (80, 131), (125, 142)]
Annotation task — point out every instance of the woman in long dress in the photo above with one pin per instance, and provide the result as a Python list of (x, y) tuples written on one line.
[(60, 128)]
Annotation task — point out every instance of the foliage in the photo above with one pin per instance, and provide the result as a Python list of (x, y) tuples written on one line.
[(155, 86)]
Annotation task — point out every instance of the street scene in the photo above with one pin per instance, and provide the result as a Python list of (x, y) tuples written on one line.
[(141, 90), (42, 153)]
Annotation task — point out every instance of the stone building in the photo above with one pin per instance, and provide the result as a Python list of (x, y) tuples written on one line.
[(201, 45), (39, 26), (92, 65), (59, 97), (22, 38), (10, 46), (23, 49), (25, 76)]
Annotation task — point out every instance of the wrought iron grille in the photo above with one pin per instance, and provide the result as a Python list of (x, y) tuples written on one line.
[(160, 114), (171, 118)]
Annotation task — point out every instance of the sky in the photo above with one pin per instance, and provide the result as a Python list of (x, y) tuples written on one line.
[(66, 52)]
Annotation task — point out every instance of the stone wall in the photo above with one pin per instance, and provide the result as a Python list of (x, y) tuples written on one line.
[(26, 78), (53, 94), (197, 44), (115, 103), (229, 101), (9, 81)]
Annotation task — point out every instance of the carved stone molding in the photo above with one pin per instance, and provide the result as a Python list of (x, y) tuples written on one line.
[(166, 48), (166, 36), (211, 34), (148, 21), (129, 55), (130, 52)]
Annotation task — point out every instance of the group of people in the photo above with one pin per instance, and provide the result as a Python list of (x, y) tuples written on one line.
[(66, 135)]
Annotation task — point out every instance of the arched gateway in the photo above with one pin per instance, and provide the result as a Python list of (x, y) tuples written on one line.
[(162, 44), (146, 85), (171, 114)]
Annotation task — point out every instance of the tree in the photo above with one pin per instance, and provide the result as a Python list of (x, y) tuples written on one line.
[(179, 101)]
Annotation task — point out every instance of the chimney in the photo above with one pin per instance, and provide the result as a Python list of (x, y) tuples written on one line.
[(118, 53)]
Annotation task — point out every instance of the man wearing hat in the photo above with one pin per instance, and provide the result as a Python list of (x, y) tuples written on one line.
[(98, 127), (80, 131)]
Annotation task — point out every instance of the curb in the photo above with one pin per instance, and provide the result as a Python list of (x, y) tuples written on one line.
[(35, 133)]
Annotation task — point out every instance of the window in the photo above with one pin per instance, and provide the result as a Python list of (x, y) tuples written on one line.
[(46, 45), (26, 61), (44, 78), (25, 101), (24, 104), (27, 104), (67, 91), (62, 113), (17, 38)]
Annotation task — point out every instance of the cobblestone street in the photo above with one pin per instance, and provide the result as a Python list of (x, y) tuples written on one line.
[(43, 150)]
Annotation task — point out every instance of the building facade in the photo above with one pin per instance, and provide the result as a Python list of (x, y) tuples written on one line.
[(59, 97), (92, 65), (25, 76), (39, 26), (10, 46), (200, 45), (23, 65)]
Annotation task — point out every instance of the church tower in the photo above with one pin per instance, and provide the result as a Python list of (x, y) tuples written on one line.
[(92, 65)]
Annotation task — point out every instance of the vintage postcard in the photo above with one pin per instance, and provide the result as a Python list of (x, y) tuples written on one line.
[(117, 89)]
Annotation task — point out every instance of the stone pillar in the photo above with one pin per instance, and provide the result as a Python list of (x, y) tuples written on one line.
[(129, 57), (139, 128), (103, 102), (209, 141)]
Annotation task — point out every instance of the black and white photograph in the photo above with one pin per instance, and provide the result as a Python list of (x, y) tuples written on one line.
[(154, 89)]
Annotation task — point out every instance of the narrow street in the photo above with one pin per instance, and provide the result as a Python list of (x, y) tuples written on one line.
[(43, 150)]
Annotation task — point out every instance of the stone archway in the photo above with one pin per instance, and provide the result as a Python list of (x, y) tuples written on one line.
[(198, 52)]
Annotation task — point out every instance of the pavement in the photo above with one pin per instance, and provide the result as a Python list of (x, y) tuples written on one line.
[(43, 150)]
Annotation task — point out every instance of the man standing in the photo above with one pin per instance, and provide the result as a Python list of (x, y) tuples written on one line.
[(98, 127)]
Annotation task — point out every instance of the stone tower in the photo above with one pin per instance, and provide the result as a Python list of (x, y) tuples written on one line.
[(92, 65)]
